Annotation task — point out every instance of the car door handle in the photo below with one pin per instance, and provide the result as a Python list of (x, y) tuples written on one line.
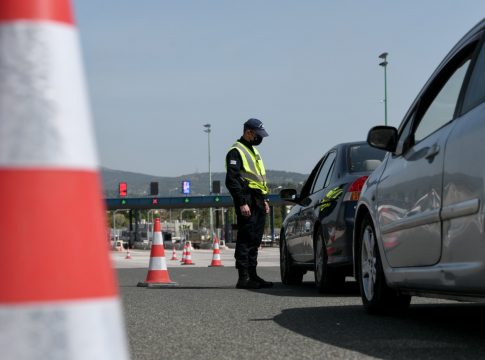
[(432, 152)]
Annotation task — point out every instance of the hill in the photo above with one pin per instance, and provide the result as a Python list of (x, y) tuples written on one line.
[(139, 184)]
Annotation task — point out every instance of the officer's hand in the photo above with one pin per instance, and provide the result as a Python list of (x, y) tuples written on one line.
[(245, 210), (266, 207)]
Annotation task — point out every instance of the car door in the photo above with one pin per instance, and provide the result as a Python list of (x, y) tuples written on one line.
[(463, 185), (291, 227), (294, 230), (409, 198), (309, 213)]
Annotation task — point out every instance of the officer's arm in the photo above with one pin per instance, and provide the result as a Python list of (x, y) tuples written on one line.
[(234, 183)]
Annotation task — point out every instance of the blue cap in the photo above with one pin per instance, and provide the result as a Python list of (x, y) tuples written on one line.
[(257, 126)]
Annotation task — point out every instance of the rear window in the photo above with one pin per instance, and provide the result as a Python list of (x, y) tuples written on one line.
[(364, 158)]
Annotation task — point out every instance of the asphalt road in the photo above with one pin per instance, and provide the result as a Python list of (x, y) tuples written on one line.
[(205, 317)]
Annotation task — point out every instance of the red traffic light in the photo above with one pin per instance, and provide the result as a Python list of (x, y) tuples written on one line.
[(123, 189)]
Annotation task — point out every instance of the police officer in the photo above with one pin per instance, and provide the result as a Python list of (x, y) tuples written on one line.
[(246, 181)]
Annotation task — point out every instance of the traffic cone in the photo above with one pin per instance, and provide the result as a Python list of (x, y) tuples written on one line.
[(188, 256), (216, 255), (174, 253), (128, 255), (157, 269), (57, 305), (184, 253)]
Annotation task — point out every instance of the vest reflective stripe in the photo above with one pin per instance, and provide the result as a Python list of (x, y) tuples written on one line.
[(253, 168)]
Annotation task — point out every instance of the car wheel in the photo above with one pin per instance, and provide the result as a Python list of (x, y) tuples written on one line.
[(377, 297), (290, 275), (325, 278)]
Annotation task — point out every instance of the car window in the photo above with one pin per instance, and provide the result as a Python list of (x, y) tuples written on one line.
[(475, 93), (442, 108), (404, 135), (364, 158), (305, 191), (329, 176), (324, 172)]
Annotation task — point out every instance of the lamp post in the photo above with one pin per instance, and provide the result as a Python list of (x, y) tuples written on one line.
[(384, 63), (181, 213), (211, 219), (150, 212), (170, 195), (114, 223)]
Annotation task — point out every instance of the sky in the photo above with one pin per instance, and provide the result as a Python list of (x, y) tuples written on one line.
[(158, 70)]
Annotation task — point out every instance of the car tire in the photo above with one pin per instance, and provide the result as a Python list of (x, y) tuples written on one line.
[(290, 275), (377, 296), (325, 278)]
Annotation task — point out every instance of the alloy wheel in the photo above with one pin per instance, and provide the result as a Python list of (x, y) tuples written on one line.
[(368, 262)]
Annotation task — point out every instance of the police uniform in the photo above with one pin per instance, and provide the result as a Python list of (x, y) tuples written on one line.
[(246, 181)]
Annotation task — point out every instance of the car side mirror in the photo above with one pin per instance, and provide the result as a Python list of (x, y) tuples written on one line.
[(383, 137), (289, 195)]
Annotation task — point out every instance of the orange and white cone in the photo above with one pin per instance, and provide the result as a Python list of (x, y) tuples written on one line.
[(128, 255), (157, 269), (216, 255), (184, 253), (53, 302), (188, 256), (174, 253)]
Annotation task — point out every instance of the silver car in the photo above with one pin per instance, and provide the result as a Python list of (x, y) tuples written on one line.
[(420, 220)]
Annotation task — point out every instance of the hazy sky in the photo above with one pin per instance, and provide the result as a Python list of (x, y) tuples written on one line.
[(158, 70)]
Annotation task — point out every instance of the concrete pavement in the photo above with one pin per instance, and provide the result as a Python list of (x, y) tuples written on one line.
[(202, 258)]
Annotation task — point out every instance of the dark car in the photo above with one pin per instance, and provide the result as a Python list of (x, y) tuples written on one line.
[(317, 233), (419, 227)]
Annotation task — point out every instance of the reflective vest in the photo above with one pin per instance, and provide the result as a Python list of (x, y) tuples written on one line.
[(253, 168)]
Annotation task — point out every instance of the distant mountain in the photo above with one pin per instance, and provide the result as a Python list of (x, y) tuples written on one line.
[(139, 184)]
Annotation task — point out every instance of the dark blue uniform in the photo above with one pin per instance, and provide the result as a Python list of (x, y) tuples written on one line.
[(250, 229)]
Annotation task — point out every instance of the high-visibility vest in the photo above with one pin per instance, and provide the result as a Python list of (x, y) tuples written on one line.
[(253, 170)]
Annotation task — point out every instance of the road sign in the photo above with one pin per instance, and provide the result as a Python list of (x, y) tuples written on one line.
[(186, 187)]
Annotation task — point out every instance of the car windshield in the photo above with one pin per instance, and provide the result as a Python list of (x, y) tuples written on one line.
[(364, 158)]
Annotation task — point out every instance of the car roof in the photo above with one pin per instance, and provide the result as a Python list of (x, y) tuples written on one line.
[(348, 144)]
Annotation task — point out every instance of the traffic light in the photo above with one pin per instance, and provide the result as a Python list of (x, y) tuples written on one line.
[(123, 189), (216, 187), (154, 188)]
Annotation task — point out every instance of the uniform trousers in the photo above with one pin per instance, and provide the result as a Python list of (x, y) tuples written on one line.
[(250, 231)]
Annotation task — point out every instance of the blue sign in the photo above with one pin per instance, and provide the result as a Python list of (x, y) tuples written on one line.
[(186, 187)]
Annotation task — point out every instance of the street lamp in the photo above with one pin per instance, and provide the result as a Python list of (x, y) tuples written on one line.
[(150, 212), (181, 213), (114, 223), (208, 131), (384, 63)]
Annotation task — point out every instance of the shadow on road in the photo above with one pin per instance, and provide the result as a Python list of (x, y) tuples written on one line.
[(308, 289), (441, 331)]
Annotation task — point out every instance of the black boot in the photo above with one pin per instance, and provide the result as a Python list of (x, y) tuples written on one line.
[(244, 282), (254, 277)]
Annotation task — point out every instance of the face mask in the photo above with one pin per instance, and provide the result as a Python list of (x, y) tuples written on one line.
[(257, 140)]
